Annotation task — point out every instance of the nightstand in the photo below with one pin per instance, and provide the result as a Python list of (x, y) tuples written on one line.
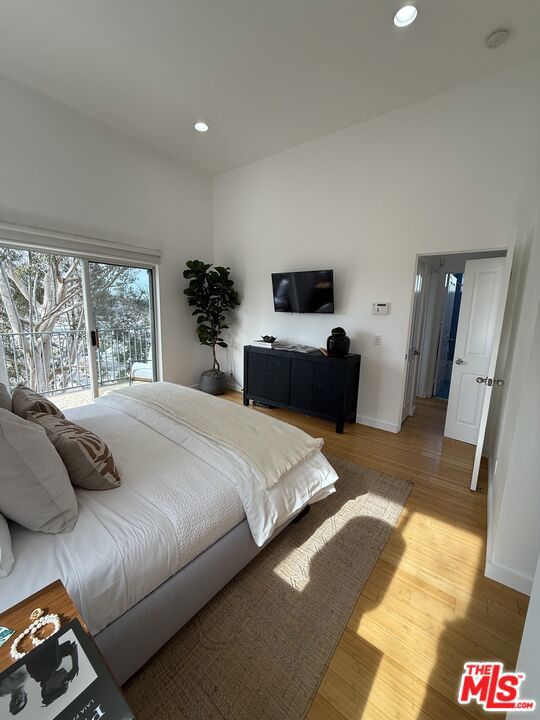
[(52, 599)]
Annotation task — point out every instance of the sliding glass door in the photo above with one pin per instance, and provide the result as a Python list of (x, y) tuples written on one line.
[(121, 325), (43, 339), (72, 328)]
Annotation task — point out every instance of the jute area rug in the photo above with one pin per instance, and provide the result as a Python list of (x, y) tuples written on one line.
[(259, 649)]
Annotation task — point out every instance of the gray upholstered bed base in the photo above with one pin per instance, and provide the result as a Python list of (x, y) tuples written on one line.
[(133, 638)]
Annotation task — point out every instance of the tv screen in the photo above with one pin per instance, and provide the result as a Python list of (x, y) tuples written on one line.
[(304, 292)]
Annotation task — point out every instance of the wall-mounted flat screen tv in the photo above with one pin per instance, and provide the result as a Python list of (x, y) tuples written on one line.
[(304, 292)]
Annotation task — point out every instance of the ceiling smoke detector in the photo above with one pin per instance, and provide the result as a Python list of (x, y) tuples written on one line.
[(497, 38)]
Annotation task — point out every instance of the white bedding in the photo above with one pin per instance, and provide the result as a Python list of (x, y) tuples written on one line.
[(172, 505), (259, 463)]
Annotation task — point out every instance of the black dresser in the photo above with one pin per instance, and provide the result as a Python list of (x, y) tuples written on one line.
[(309, 383)]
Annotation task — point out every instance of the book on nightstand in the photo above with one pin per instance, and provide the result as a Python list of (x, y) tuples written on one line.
[(65, 678), (263, 344)]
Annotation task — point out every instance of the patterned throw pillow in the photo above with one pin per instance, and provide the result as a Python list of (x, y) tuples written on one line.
[(26, 400), (86, 456)]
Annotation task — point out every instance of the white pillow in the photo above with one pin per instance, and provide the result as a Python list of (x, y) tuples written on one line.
[(5, 398), (6, 555), (35, 490)]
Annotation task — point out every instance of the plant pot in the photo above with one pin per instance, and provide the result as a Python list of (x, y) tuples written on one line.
[(213, 382)]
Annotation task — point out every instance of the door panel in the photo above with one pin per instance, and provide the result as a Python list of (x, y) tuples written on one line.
[(302, 383), (470, 399), (480, 307), (501, 305), (121, 307), (257, 374), (325, 391), (480, 330), (278, 371)]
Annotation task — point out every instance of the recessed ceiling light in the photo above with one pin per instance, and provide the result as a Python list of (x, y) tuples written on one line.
[(405, 16), (201, 126)]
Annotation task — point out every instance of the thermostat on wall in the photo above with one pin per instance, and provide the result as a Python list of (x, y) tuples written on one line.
[(380, 308)]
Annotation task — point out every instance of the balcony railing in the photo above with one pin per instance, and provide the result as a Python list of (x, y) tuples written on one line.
[(56, 361)]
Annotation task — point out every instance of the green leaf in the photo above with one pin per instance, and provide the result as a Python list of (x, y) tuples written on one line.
[(212, 294)]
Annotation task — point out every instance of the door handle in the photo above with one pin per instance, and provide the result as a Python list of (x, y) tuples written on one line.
[(459, 361), (488, 381), (417, 352)]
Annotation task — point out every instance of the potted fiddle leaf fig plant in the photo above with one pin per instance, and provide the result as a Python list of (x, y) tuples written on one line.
[(211, 294)]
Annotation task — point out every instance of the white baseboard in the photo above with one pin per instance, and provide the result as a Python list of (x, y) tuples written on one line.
[(494, 570), (507, 576), (379, 424)]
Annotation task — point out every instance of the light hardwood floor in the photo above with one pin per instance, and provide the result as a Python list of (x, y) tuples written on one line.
[(427, 607)]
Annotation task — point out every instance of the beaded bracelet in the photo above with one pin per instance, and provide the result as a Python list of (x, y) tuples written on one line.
[(39, 621)]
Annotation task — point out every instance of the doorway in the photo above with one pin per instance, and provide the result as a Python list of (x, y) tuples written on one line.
[(447, 335), (458, 303), (71, 327)]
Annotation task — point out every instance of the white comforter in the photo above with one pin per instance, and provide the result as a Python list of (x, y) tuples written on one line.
[(260, 473), (172, 506)]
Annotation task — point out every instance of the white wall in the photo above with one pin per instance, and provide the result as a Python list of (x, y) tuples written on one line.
[(528, 660), (443, 174), (61, 170), (514, 493)]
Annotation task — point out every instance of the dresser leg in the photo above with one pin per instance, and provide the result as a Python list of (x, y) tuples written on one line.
[(246, 401), (339, 427)]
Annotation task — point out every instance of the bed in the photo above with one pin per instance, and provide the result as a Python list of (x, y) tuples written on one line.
[(145, 557)]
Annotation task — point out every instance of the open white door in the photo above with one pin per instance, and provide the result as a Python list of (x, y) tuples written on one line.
[(489, 381), (476, 333), (485, 288)]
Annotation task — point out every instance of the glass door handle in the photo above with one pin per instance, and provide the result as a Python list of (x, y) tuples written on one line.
[(459, 361)]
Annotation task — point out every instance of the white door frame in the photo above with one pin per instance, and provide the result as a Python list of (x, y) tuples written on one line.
[(90, 328), (414, 268), (413, 349)]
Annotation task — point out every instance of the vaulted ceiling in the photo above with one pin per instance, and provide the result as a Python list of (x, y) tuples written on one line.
[(265, 75)]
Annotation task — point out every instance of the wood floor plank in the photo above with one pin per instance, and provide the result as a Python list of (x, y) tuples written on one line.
[(322, 710), (427, 607)]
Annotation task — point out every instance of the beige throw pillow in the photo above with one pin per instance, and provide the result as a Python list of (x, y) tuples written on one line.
[(26, 400), (34, 485), (5, 398), (86, 456)]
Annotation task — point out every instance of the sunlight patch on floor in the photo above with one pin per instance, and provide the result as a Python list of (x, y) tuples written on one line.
[(303, 555)]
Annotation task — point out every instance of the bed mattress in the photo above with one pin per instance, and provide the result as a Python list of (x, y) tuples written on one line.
[(170, 507)]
